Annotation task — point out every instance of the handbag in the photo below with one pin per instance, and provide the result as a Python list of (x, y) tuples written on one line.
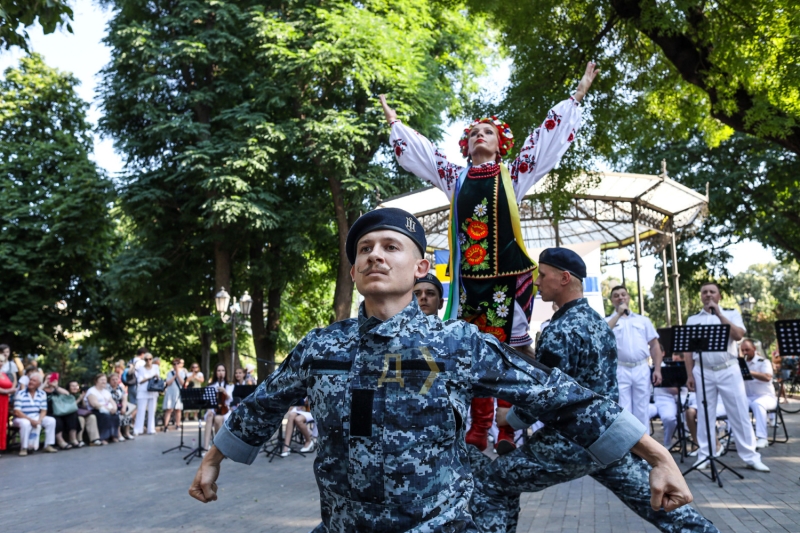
[(156, 384), (63, 404)]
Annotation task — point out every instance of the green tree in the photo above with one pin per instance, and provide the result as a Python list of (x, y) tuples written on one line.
[(18, 15), (56, 232), (679, 79), (776, 289), (328, 61), (249, 126)]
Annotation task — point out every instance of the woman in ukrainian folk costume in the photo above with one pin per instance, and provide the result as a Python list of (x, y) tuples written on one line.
[(491, 274)]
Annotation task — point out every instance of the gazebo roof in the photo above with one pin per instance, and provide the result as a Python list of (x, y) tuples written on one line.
[(602, 209)]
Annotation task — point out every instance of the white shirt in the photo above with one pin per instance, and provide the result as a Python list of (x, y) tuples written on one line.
[(705, 318), (143, 373), (103, 397), (755, 387), (633, 333), (139, 363)]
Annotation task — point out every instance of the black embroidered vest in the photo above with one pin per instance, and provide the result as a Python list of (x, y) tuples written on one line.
[(488, 246)]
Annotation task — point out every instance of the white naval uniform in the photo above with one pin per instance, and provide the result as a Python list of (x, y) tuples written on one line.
[(633, 333), (760, 394), (723, 380)]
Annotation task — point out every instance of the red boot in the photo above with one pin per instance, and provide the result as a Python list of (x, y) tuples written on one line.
[(505, 434), (482, 411)]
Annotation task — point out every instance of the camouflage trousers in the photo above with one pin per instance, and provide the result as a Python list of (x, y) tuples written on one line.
[(548, 459)]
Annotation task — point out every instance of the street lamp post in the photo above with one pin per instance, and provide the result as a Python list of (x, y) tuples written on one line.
[(222, 299), (747, 304)]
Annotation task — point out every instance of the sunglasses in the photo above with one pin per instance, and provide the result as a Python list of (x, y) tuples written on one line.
[(148, 359)]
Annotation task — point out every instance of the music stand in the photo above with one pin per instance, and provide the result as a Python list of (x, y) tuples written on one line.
[(180, 446), (699, 339), (198, 398), (240, 392), (673, 374), (746, 375), (788, 334)]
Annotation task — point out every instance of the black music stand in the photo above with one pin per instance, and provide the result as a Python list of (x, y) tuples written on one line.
[(198, 398), (240, 392), (705, 338), (673, 374), (183, 414)]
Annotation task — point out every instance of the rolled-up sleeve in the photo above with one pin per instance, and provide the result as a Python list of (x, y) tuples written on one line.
[(594, 422), (258, 416)]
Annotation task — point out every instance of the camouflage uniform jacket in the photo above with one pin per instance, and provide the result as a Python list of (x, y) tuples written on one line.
[(578, 342), (389, 399)]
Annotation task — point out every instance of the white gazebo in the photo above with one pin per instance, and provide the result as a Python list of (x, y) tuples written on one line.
[(644, 212)]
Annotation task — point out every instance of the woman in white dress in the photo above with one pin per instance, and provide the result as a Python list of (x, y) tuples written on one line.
[(172, 395)]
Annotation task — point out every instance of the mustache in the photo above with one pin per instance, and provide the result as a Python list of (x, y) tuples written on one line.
[(374, 268)]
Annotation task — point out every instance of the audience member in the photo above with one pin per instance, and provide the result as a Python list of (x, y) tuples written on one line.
[(225, 394), (637, 340), (760, 391), (250, 377), (99, 400), (29, 370), (299, 417), (196, 378), (241, 377), (87, 420), (145, 400), (129, 377), (125, 410), (723, 379), (172, 395), (67, 423), (7, 365), (7, 388), (30, 415)]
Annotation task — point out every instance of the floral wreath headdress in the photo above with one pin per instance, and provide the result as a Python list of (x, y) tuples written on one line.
[(504, 135)]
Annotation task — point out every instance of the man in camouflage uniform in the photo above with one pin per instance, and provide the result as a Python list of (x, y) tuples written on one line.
[(390, 390), (579, 343)]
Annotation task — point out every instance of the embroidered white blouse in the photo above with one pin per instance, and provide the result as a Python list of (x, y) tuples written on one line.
[(542, 150)]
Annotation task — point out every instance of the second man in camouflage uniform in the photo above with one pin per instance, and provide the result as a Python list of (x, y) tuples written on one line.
[(579, 343)]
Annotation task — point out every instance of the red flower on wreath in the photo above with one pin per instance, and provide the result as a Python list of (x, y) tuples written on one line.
[(523, 167), (477, 230), (475, 254), (549, 124), (497, 332)]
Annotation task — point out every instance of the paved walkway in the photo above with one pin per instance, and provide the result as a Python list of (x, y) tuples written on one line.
[(131, 486)]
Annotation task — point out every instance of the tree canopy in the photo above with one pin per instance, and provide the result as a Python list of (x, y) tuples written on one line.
[(18, 15), (55, 231)]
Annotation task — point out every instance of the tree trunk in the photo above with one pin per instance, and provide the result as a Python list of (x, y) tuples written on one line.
[(343, 294), (205, 353), (265, 332)]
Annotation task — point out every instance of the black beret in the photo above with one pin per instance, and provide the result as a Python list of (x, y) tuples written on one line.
[(564, 259), (433, 280), (390, 218)]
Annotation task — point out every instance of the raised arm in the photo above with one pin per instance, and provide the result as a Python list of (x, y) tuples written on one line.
[(416, 154), (546, 145)]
